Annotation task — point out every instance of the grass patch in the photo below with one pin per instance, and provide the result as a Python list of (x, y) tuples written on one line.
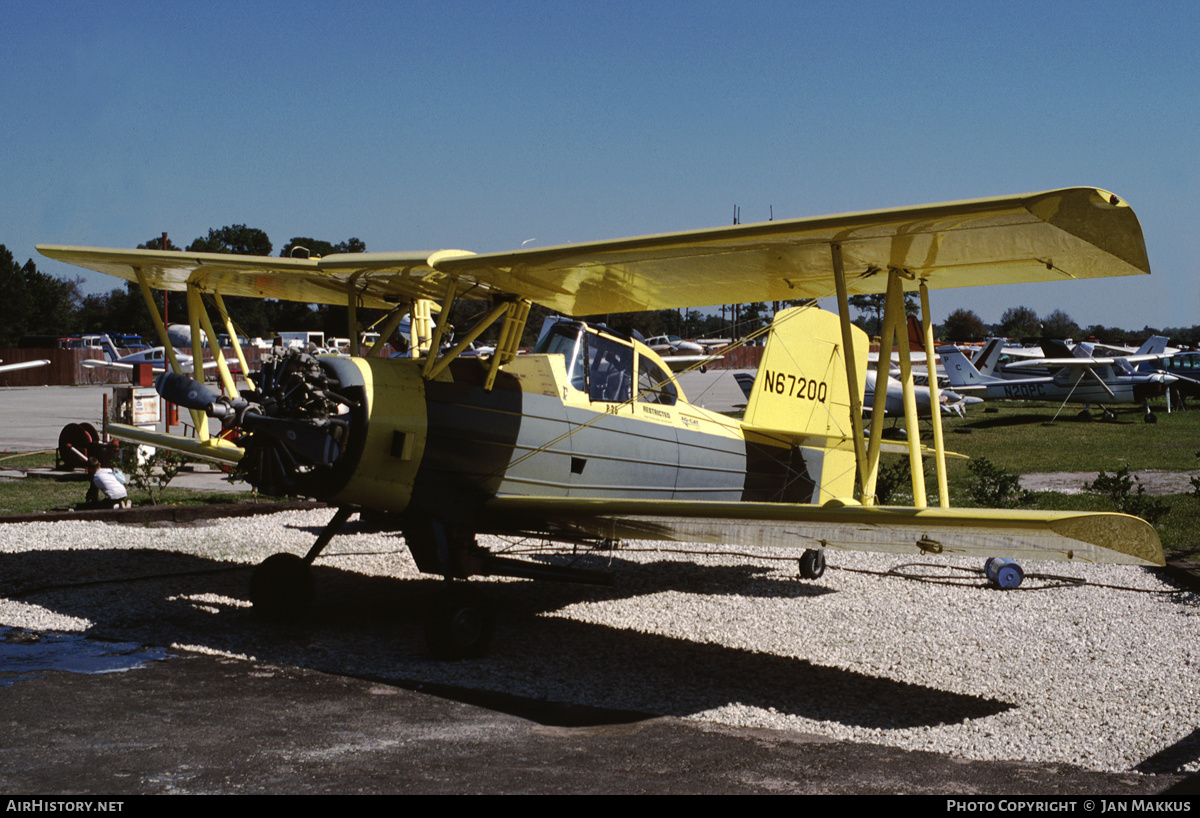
[(31, 495)]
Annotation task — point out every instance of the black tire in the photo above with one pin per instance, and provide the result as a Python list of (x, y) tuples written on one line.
[(812, 564), (1151, 417), (461, 624), (281, 588)]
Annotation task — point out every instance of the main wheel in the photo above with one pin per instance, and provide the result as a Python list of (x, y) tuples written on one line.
[(460, 625), (281, 587), (1151, 417), (812, 563)]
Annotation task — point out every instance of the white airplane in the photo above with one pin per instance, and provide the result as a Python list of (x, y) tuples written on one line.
[(1077, 380), (680, 354)]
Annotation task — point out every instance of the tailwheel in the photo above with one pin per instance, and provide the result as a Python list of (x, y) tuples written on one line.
[(812, 563), (460, 624), (281, 587)]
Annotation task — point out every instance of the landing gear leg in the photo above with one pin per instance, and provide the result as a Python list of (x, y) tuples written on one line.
[(812, 563), (281, 587), (1150, 416), (460, 622)]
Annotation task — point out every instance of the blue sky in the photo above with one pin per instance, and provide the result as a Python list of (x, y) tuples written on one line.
[(480, 125)]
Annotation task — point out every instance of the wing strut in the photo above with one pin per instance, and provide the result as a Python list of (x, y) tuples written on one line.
[(198, 418), (935, 399), (233, 340), (196, 308), (895, 304), (510, 338), (852, 375)]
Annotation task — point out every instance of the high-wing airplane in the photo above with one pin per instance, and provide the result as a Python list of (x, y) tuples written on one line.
[(1075, 380), (590, 438)]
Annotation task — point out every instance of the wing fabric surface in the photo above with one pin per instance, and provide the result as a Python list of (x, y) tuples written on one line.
[(1048, 535), (1051, 236)]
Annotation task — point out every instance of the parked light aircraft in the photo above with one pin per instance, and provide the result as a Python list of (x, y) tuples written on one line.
[(1075, 380), (590, 438), (155, 356)]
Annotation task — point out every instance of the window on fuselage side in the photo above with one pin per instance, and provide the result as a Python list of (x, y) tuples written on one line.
[(564, 339), (654, 385), (610, 370)]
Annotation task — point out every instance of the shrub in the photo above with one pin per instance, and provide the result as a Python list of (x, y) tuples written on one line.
[(1119, 488), (994, 487)]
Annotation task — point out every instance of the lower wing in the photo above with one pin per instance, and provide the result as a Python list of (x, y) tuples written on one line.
[(1050, 535)]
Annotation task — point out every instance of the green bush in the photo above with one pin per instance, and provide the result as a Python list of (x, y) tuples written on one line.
[(994, 487), (1119, 488)]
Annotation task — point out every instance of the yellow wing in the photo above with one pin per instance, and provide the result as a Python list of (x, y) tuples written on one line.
[(1049, 535), (1056, 235)]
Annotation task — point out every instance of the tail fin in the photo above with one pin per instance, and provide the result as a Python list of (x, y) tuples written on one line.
[(916, 338), (959, 370), (801, 385), (1155, 345), (802, 391), (1055, 348), (989, 356)]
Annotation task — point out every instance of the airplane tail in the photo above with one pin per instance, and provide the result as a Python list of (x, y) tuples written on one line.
[(916, 338), (960, 371), (1155, 345), (801, 385), (1054, 348), (989, 356), (110, 349), (801, 391)]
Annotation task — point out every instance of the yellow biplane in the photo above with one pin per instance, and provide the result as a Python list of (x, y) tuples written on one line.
[(590, 438)]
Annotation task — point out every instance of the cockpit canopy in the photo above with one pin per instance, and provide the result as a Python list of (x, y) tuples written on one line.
[(606, 365)]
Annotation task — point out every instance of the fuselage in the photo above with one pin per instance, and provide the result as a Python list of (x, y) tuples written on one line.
[(588, 414)]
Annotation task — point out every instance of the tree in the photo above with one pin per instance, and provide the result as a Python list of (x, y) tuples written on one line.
[(35, 303), (317, 247), (1059, 325), (156, 243), (237, 239), (963, 325), (874, 304), (1020, 322)]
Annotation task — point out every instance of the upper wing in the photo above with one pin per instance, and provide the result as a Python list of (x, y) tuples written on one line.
[(1060, 234), (1049, 535)]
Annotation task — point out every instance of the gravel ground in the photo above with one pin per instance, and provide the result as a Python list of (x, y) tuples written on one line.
[(1097, 666)]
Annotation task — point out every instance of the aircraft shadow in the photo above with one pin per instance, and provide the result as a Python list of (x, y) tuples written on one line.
[(371, 626)]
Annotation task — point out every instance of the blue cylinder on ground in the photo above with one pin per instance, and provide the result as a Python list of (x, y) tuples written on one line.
[(1003, 572)]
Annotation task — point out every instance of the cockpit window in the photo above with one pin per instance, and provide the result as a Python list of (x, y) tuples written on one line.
[(595, 364), (654, 385), (610, 370), (565, 339)]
